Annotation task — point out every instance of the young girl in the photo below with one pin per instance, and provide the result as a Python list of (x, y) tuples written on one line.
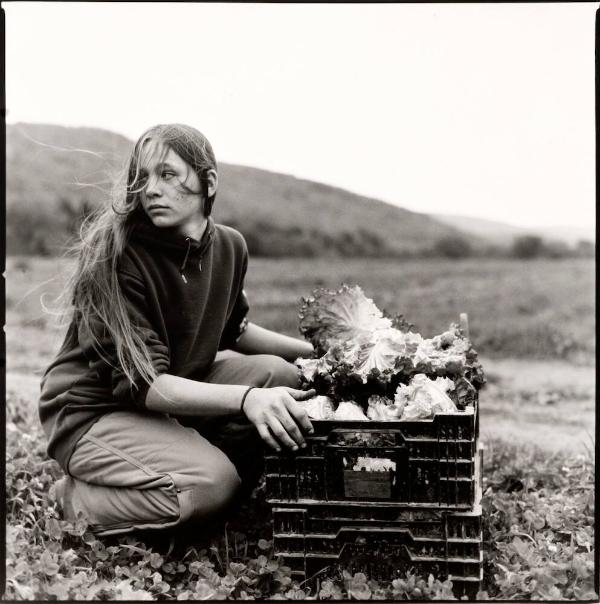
[(151, 427)]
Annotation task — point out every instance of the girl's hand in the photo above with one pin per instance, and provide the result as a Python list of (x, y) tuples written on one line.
[(275, 412)]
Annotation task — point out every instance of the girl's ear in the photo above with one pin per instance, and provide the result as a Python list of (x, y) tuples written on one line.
[(212, 181)]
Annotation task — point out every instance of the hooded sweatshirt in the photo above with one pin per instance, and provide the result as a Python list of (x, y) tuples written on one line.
[(187, 299)]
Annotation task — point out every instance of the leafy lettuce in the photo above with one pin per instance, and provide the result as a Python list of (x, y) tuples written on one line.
[(361, 353)]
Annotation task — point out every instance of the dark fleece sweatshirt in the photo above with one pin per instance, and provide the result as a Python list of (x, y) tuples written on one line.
[(187, 298)]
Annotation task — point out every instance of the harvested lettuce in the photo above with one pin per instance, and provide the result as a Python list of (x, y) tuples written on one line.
[(423, 398), (378, 365), (349, 410), (319, 407), (375, 464), (381, 408), (335, 317)]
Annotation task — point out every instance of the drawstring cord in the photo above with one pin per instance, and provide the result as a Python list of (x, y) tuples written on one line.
[(187, 253)]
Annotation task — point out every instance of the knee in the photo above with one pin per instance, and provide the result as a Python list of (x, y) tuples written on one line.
[(215, 489), (276, 371)]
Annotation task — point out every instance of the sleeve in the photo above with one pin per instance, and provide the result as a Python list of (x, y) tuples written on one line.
[(238, 319), (237, 323), (123, 389)]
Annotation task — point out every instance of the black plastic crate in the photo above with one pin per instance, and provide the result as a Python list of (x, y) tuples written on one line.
[(433, 463), (319, 540)]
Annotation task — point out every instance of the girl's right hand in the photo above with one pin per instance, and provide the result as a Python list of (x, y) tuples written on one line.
[(275, 413)]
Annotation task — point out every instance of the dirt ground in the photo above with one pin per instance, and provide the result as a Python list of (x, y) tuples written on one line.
[(547, 403)]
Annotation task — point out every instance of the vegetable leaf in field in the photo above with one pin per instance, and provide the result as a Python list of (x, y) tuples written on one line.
[(377, 352), (364, 354), (333, 317)]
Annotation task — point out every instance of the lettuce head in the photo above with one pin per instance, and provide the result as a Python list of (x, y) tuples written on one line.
[(330, 317)]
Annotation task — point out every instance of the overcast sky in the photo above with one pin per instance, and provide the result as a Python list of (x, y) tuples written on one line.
[(485, 110)]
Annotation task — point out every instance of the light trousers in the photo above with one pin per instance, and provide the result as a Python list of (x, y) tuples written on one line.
[(138, 470)]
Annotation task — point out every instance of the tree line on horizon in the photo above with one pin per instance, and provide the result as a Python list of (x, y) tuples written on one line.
[(48, 234)]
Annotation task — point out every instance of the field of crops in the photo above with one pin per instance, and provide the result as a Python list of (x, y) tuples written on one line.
[(532, 321), (539, 309)]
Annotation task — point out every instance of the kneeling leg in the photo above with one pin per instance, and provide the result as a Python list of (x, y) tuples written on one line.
[(143, 471)]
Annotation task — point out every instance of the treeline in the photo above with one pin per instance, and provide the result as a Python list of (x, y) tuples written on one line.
[(523, 247), (45, 231), (46, 234), (267, 239)]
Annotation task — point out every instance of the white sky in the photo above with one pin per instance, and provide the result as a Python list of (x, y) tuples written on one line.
[(485, 110)]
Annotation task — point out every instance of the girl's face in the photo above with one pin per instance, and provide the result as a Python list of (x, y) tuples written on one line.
[(171, 193)]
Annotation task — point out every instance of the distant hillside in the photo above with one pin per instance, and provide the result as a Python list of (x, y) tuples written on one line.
[(503, 234), (54, 171)]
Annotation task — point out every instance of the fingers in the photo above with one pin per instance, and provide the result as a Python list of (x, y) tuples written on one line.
[(282, 433), (280, 420), (301, 417), (266, 436), (291, 427), (301, 395)]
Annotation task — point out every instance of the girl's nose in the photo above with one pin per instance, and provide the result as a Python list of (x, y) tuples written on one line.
[(152, 188)]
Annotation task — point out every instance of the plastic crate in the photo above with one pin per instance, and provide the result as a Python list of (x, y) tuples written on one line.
[(320, 540), (433, 461)]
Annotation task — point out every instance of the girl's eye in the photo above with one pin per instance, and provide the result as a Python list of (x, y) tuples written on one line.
[(167, 175)]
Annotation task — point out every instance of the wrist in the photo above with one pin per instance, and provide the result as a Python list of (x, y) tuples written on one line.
[(245, 396)]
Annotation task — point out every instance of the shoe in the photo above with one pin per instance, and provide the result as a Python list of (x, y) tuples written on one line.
[(61, 491)]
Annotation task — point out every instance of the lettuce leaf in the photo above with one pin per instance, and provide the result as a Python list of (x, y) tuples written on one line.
[(330, 317)]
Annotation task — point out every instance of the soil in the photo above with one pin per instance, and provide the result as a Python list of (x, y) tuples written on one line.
[(550, 404)]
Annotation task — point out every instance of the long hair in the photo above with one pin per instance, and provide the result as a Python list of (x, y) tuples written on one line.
[(93, 293)]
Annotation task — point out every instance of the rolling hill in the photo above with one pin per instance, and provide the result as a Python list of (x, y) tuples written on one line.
[(53, 171)]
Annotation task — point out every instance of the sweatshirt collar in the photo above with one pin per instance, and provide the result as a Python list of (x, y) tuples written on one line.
[(170, 241)]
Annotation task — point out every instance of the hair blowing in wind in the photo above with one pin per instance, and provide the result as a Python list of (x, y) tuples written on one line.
[(92, 294)]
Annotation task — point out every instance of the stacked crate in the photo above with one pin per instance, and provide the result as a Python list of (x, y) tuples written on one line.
[(422, 515)]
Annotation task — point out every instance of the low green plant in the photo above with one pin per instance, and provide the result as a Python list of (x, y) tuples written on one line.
[(539, 540), (539, 525)]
